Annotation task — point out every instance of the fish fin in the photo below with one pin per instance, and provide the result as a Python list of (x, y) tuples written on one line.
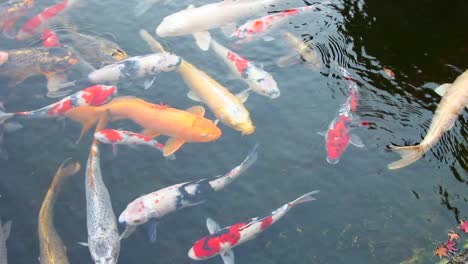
[(129, 230), (356, 141), (84, 244), (114, 149), (229, 29), (197, 110), (142, 7), (54, 81), (268, 38), (102, 121), (172, 145), (5, 116), (152, 230), (87, 116), (243, 96), (228, 257), (202, 39), (409, 154), (332, 161), (154, 45), (216, 122), (147, 83), (442, 89), (6, 229), (212, 226), (12, 127), (248, 161), (288, 60), (304, 198), (322, 133), (193, 96), (150, 133)]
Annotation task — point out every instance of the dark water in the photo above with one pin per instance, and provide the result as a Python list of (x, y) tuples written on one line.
[(364, 214)]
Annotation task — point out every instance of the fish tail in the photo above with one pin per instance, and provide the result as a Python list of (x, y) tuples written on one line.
[(408, 155), (155, 45), (142, 7), (5, 230), (5, 116), (304, 198)]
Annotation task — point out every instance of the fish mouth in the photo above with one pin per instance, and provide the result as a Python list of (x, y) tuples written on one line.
[(249, 130), (333, 160)]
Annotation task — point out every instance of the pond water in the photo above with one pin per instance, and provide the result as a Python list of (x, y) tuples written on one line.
[(364, 212)]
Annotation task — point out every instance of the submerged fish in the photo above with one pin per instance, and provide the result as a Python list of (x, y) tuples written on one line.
[(154, 206), (304, 53), (210, 16), (259, 81), (6, 127), (52, 249), (228, 108), (121, 137), (454, 100), (103, 235), (221, 241), (53, 63), (130, 69), (50, 39), (4, 234), (181, 126), (144, 5), (10, 12)]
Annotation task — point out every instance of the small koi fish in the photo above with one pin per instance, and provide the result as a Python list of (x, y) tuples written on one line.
[(121, 137), (222, 241)]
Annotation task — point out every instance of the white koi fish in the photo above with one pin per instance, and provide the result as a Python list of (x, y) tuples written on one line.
[(454, 100), (160, 203), (4, 234), (210, 16), (221, 241), (259, 81)]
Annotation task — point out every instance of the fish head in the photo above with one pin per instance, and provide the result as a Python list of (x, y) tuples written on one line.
[(205, 130), (105, 252), (135, 214), (205, 248), (310, 56), (237, 118), (174, 25), (168, 62), (108, 136), (262, 82), (3, 57), (97, 95)]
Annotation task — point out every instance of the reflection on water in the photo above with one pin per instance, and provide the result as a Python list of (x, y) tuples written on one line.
[(364, 213)]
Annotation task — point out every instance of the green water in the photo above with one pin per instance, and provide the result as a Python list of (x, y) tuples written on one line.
[(364, 213)]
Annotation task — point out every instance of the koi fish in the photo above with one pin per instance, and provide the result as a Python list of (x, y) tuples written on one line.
[(10, 12), (338, 136), (304, 53), (36, 25), (145, 5), (92, 96), (50, 39), (180, 126), (228, 108), (4, 234), (154, 206), (6, 127), (259, 81), (210, 16), (3, 57), (353, 88), (130, 69), (222, 241), (121, 137), (454, 100), (103, 235), (53, 63), (260, 27), (52, 250)]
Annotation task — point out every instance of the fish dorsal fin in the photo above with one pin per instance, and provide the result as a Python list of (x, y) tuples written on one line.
[(212, 226), (172, 145), (197, 110), (228, 257), (442, 89)]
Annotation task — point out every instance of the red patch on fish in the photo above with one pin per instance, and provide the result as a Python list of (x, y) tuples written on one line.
[(211, 245), (266, 223), (32, 24), (112, 135), (60, 108), (338, 138), (98, 94), (241, 63), (54, 10), (50, 39), (258, 26), (353, 102)]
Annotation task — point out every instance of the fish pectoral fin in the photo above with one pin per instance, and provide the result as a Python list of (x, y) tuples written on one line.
[(202, 39), (268, 38), (54, 82), (147, 83), (129, 229), (152, 230), (356, 141), (288, 60), (193, 96), (115, 149), (103, 120), (216, 122), (229, 29), (197, 110), (84, 244), (228, 257), (442, 89), (322, 133), (150, 133), (212, 226), (243, 96), (172, 145)]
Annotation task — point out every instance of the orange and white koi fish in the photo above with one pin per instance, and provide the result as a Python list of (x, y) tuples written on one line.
[(10, 12), (228, 108), (261, 27), (454, 100), (221, 241), (259, 80), (36, 25), (181, 126)]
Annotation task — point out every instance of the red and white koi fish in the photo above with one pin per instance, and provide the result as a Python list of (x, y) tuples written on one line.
[(338, 136), (50, 39), (36, 25), (260, 27), (221, 241), (92, 96), (121, 137), (3, 57), (10, 12), (156, 205)]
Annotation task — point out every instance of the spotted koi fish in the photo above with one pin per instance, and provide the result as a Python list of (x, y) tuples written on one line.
[(160, 203), (221, 241), (50, 39), (120, 137), (130, 69), (92, 96), (36, 25), (10, 12), (260, 27), (338, 136), (259, 81)]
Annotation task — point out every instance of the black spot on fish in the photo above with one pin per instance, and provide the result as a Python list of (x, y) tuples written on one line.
[(202, 190), (130, 68)]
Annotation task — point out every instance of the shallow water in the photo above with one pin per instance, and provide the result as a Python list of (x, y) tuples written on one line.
[(364, 212)]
